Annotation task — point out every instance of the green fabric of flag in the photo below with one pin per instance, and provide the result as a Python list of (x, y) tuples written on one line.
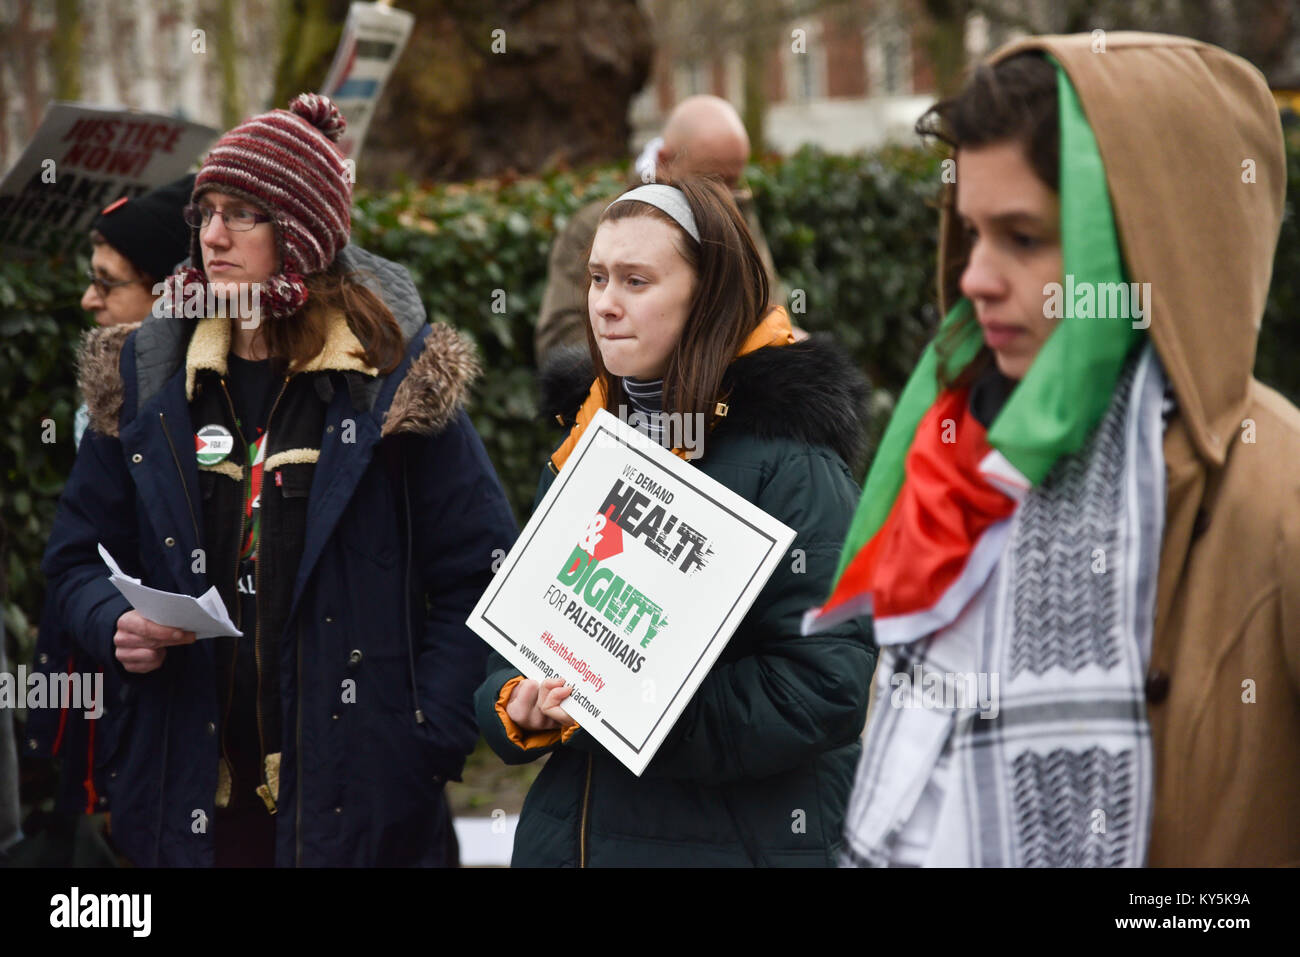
[(1068, 387)]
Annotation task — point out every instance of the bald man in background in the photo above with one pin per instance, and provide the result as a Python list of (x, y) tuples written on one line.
[(703, 136)]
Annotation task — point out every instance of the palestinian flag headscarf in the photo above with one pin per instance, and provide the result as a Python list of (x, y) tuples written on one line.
[(942, 490)]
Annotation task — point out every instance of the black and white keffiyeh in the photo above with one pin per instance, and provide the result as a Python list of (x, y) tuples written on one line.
[(1021, 729)]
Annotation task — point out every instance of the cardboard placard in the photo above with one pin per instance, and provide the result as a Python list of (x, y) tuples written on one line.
[(628, 581)]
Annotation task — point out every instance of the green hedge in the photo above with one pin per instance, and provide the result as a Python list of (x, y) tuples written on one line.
[(853, 237), (478, 256), (1277, 361), (857, 236), (40, 320)]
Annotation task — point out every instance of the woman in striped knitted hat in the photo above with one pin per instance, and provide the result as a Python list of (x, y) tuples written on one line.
[(289, 192), (336, 497)]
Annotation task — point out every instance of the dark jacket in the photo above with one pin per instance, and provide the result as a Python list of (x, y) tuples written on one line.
[(393, 515), (10, 825), (87, 748), (759, 766)]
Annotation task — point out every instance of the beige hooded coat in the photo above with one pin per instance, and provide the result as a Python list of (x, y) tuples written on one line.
[(1192, 145)]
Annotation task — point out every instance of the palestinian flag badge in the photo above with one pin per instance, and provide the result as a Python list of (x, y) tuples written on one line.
[(212, 444)]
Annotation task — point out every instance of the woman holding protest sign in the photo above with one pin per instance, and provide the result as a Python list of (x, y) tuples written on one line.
[(756, 770), (310, 459)]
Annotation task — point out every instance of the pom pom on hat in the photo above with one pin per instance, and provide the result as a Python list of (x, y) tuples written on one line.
[(321, 113)]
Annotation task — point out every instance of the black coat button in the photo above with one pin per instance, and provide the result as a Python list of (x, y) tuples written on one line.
[(1157, 686), (354, 659)]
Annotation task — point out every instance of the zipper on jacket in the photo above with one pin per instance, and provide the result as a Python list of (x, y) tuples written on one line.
[(410, 641), (582, 826), (225, 715), (248, 466), (171, 700), (181, 472), (239, 607), (265, 790)]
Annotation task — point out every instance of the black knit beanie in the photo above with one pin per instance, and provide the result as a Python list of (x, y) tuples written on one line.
[(149, 230)]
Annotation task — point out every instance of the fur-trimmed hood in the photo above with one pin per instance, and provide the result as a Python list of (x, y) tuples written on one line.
[(99, 376), (434, 386), (808, 391)]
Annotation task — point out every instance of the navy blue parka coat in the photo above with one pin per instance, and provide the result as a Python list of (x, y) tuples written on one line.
[(404, 519)]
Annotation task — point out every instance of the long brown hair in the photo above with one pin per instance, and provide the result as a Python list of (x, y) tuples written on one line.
[(1014, 100), (300, 337), (729, 301)]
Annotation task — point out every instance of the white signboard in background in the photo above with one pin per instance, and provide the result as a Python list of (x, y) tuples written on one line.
[(374, 36), (628, 580), (81, 159)]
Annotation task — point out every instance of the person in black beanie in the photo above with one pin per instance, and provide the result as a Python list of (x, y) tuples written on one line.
[(137, 241)]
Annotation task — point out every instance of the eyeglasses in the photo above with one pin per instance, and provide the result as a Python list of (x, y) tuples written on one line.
[(105, 286), (240, 219)]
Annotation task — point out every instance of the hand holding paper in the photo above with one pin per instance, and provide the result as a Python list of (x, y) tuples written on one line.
[(141, 645), (205, 616)]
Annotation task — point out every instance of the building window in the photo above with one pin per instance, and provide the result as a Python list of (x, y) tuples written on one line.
[(696, 79), (889, 57), (807, 64)]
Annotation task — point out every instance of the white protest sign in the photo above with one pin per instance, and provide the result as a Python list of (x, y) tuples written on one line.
[(81, 159), (374, 36), (628, 580)]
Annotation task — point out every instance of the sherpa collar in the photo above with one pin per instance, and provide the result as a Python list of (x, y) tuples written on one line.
[(210, 345)]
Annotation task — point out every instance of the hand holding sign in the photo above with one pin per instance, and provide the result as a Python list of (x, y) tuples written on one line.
[(535, 706), (553, 691)]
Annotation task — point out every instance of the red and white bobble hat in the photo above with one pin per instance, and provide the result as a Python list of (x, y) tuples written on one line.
[(285, 163)]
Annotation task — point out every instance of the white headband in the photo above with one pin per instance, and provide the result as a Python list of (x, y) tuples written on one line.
[(668, 198)]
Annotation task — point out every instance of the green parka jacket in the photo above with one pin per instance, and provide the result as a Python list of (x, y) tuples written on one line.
[(758, 768)]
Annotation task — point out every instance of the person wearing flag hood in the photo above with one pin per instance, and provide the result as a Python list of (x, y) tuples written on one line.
[(757, 768), (310, 459), (1080, 540)]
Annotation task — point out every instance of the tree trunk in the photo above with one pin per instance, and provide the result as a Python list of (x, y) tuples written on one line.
[(65, 50), (487, 87), (227, 44), (309, 34), (944, 41), (756, 52)]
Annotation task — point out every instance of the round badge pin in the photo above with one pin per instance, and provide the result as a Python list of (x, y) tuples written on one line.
[(213, 443)]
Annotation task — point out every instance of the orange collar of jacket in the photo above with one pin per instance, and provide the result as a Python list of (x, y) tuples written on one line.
[(774, 330)]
